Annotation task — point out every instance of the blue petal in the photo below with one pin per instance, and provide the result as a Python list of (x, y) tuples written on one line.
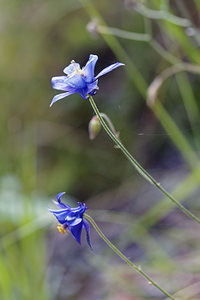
[(89, 90), (77, 81), (92, 86), (109, 69), (70, 218), (71, 68), (62, 205), (76, 222), (87, 228), (60, 216), (61, 96), (83, 93), (76, 231), (60, 83), (88, 71), (59, 203), (80, 207), (55, 211), (58, 196), (79, 211)]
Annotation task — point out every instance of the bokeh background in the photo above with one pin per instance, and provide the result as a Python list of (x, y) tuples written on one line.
[(45, 150)]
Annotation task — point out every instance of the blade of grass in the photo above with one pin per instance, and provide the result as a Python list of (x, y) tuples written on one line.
[(190, 103)]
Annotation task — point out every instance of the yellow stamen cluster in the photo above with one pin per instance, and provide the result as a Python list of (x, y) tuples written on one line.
[(62, 229), (76, 70)]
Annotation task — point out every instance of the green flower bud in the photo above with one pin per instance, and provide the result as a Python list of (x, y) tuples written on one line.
[(94, 127)]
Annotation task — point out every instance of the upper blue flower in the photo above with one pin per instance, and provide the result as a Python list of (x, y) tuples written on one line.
[(71, 219), (79, 80)]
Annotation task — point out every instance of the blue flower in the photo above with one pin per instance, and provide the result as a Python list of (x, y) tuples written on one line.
[(79, 80), (71, 219)]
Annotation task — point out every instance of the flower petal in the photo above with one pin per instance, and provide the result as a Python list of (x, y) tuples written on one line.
[(89, 90), (60, 83), (87, 228), (61, 96), (83, 93), (56, 211), (76, 222), (76, 231), (58, 196), (109, 69), (79, 211), (77, 81), (71, 68), (92, 87), (88, 71), (59, 203), (60, 215)]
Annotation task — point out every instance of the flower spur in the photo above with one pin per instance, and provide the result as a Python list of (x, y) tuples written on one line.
[(71, 219), (79, 80)]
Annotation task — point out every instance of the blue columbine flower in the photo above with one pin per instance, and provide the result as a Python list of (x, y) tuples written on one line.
[(71, 219), (79, 80)]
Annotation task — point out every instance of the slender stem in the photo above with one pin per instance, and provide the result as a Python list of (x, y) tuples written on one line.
[(158, 80), (164, 53), (142, 37), (122, 256), (138, 167), (161, 15), (110, 124)]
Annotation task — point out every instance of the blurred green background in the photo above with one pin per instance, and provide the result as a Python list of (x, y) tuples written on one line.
[(45, 150)]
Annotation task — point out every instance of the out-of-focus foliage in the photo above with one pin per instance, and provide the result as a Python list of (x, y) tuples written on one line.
[(45, 151)]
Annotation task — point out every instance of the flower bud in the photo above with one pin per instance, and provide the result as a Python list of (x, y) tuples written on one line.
[(92, 28), (94, 127)]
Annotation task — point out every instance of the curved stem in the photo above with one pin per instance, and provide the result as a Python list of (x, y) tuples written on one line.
[(122, 256), (138, 167), (161, 15), (158, 80), (107, 119), (110, 124), (164, 53)]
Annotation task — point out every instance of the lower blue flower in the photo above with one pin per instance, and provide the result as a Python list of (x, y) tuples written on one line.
[(79, 80), (71, 219)]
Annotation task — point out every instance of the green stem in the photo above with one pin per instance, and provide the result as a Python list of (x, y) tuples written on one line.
[(164, 53), (138, 167), (161, 15), (110, 124), (122, 256), (142, 37)]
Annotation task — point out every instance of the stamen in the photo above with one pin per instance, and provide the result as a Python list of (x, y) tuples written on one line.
[(76, 70), (62, 229)]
